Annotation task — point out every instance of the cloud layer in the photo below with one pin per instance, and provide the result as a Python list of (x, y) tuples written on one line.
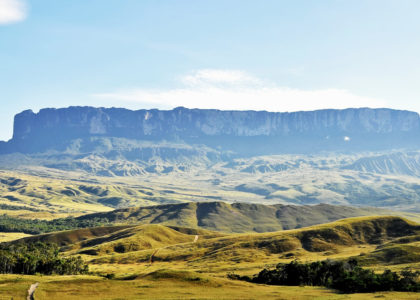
[(238, 90), (12, 11)]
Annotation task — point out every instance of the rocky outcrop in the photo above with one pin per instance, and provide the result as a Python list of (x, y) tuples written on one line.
[(245, 132)]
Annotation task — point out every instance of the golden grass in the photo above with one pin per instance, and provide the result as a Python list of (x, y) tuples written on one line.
[(58, 197), (70, 237), (328, 240), (11, 236), (136, 238), (164, 284)]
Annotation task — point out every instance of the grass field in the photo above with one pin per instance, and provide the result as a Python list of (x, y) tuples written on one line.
[(166, 284), (11, 236)]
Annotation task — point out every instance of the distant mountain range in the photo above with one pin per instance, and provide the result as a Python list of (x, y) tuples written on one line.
[(240, 132)]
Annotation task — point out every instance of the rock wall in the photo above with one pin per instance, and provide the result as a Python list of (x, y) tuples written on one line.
[(362, 128)]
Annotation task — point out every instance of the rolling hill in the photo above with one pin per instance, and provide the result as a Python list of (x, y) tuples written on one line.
[(129, 244), (215, 216), (354, 237), (120, 239), (236, 217), (281, 179)]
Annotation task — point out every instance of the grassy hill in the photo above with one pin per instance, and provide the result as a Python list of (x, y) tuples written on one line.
[(136, 243), (216, 216), (52, 195), (236, 217), (120, 239), (321, 240), (405, 250)]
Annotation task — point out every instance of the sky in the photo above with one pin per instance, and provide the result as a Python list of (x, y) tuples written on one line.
[(274, 55)]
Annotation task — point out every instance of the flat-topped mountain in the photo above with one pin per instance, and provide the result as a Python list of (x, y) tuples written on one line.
[(344, 157), (267, 132)]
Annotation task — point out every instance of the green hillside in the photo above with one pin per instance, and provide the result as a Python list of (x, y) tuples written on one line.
[(216, 216), (339, 239), (137, 243), (236, 217)]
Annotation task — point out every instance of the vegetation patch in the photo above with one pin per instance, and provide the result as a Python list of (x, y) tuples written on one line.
[(346, 276), (11, 224), (38, 258)]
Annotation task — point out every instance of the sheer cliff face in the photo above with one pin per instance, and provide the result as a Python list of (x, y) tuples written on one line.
[(322, 130)]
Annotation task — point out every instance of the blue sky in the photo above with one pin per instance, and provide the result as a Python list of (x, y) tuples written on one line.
[(228, 54)]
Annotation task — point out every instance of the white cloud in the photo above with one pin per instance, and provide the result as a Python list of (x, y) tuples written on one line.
[(237, 90), (12, 11), (208, 77)]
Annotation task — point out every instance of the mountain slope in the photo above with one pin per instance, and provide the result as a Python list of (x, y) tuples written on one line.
[(398, 163)]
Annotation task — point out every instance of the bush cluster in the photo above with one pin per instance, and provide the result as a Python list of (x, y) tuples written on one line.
[(346, 276), (38, 258)]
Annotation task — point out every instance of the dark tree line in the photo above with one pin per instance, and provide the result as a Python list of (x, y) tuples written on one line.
[(347, 277), (10, 224), (38, 258)]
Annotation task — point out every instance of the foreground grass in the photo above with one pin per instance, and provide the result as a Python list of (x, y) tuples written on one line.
[(166, 284)]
